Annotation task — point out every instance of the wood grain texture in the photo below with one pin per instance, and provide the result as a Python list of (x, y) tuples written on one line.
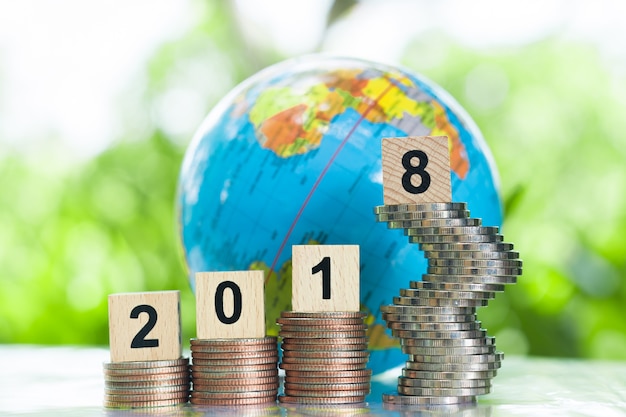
[(249, 322), (307, 286), (123, 328), (437, 168)]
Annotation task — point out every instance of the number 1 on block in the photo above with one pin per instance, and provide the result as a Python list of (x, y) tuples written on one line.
[(325, 278), (416, 169), (230, 305), (144, 326)]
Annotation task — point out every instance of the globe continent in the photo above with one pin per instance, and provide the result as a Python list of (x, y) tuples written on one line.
[(293, 156)]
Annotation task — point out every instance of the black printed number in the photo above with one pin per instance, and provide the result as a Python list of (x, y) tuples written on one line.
[(419, 169), (219, 302), (140, 341), (324, 266)]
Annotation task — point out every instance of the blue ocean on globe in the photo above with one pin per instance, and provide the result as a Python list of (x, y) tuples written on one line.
[(292, 156)]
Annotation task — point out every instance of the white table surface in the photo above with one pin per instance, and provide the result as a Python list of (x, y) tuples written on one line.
[(68, 381)]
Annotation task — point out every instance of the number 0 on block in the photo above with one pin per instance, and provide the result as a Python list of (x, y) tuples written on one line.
[(230, 305), (144, 326), (325, 278), (416, 169)]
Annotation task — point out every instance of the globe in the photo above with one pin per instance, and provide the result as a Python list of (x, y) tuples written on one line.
[(292, 156)]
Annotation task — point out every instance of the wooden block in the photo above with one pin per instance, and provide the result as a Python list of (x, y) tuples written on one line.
[(416, 169), (325, 278), (144, 326), (230, 305)]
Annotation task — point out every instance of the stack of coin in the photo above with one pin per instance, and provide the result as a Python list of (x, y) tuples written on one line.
[(451, 359), (146, 383), (232, 372), (324, 357)]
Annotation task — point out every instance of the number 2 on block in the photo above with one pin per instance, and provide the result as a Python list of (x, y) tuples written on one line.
[(338, 287), (416, 169)]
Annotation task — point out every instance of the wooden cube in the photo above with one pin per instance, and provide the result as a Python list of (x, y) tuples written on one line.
[(416, 169), (325, 278), (144, 326), (230, 305)]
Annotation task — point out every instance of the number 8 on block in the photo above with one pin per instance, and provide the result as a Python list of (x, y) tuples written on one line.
[(416, 169), (144, 326), (230, 305)]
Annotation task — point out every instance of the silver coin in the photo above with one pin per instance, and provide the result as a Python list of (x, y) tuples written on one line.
[(400, 399), (477, 263), (460, 334), (449, 343), (443, 383), (405, 224), (452, 230), (471, 279), (439, 302), (452, 367), (456, 238), (449, 351), (484, 358), (453, 286), (418, 215), (443, 392), (146, 364), (441, 318), (424, 293), (391, 208), (470, 325), (460, 254), (458, 375), (453, 270), (470, 247), (424, 310)]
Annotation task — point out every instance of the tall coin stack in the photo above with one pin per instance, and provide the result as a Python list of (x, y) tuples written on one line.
[(451, 359), (146, 383), (324, 357), (231, 372)]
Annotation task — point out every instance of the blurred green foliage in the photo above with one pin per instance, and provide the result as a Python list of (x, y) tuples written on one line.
[(552, 113)]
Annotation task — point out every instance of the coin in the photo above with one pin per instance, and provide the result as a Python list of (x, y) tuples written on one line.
[(434, 326), (237, 388), (483, 358), (201, 360), (364, 354), (144, 391), (457, 286), (295, 347), (323, 334), (326, 373), (209, 374), (231, 401), (322, 328), (322, 367), (452, 367), (323, 314), (146, 364), (321, 400), (405, 224), (444, 270), (433, 318), (236, 349), (480, 341), (146, 371), (451, 230), (326, 393), (248, 353), (319, 322), (143, 404), (458, 246), (448, 351), (439, 302), (443, 383), (471, 279), (461, 334), (323, 341), (326, 381), (146, 384), (391, 208), (362, 387), (164, 396), (425, 310), (233, 395), (471, 255), (325, 361), (443, 392), (460, 375), (477, 263), (494, 238), (148, 377), (234, 382), (226, 369), (399, 399), (424, 293)]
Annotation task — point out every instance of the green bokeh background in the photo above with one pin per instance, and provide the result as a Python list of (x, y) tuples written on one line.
[(552, 111)]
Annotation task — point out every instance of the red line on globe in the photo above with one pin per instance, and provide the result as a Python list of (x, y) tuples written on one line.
[(323, 173)]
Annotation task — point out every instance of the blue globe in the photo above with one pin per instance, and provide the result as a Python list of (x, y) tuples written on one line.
[(293, 156)]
